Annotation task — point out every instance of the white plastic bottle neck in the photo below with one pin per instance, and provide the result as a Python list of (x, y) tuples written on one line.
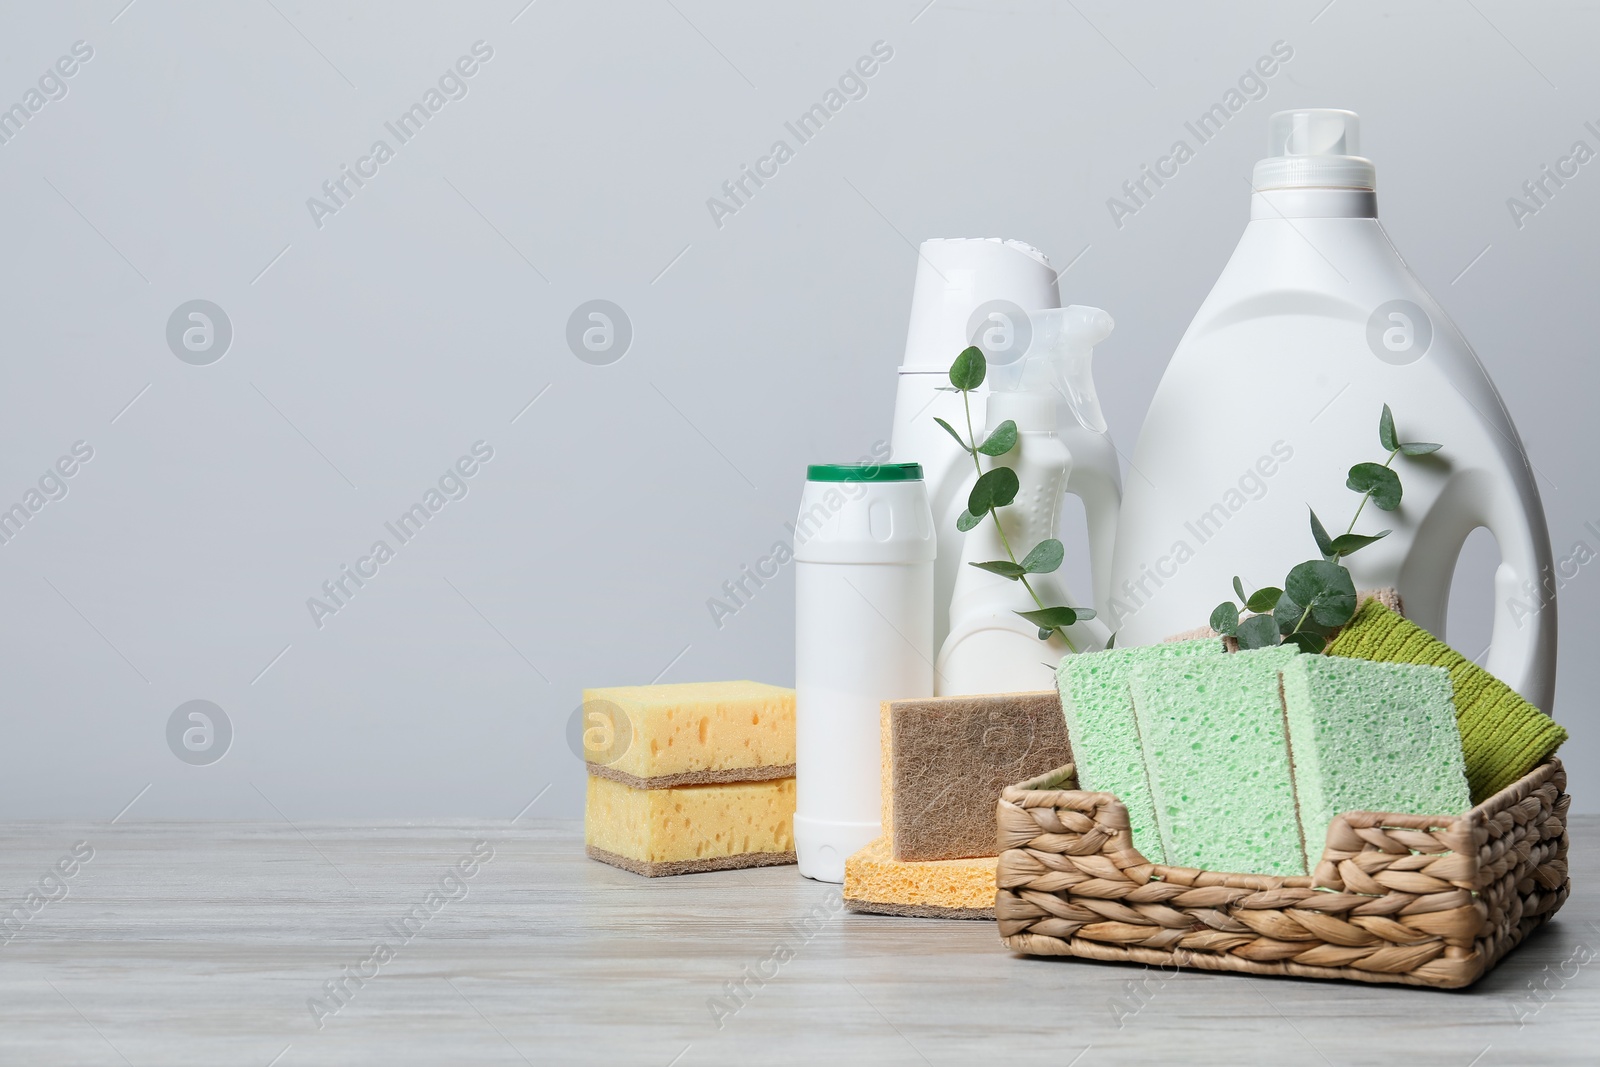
[(1313, 203)]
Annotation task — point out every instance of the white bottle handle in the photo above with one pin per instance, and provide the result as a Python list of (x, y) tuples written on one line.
[(1522, 652), (1096, 479)]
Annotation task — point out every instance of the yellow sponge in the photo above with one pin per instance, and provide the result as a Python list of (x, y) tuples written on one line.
[(690, 828), (874, 881), (692, 733)]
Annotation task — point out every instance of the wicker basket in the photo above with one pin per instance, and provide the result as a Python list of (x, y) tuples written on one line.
[(1411, 899)]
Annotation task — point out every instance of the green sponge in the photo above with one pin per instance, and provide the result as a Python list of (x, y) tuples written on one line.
[(1106, 748), (1218, 759), (1371, 737), (1503, 737)]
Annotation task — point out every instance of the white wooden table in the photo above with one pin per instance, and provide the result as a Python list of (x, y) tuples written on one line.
[(214, 942)]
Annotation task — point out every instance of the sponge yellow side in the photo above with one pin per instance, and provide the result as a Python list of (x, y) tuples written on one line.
[(713, 731), (690, 828), (874, 881)]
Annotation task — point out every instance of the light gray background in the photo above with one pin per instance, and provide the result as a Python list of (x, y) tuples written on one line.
[(428, 312)]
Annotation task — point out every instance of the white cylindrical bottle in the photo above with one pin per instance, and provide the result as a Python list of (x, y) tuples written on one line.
[(864, 550), (963, 285)]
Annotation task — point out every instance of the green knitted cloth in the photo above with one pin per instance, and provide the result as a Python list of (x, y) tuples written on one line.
[(1503, 737)]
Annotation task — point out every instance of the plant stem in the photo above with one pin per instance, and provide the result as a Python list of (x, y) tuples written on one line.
[(966, 405), (1364, 498)]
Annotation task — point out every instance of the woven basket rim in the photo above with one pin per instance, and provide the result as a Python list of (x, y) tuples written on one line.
[(1041, 790)]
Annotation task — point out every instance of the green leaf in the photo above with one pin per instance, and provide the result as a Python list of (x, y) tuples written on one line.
[(993, 489), (1045, 557), (1326, 588), (1111, 642), (1386, 434), (1052, 618), (1346, 544), (1001, 441), (967, 372), (1263, 599), (1308, 641), (1419, 448), (1380, 481), (1225, 618), (1238, 587), (1003, 567), (967, 520), (951, 430), (1044, 635), (1287, 613), (1258, 631), (1084, 613), (1324, 542)]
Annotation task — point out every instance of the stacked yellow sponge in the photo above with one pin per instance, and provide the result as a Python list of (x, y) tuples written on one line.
[(691, 777)]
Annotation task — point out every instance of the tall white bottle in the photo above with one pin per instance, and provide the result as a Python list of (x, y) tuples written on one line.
[(863, 634), (1275, 392), (963, 285), (990, 648)]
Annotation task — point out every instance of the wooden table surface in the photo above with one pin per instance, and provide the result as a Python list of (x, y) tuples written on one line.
[(171, 943)]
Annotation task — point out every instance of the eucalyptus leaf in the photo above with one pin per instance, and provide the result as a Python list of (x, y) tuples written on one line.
[(1287, 614), (967, 372), (1308, 641), (1045, 557), (1324, 542), (1044, 635), (1345, 544), (993, 489), (1111, 642), (1419, 448), (1258, 631), (1263, 599), (951, 430), (1001, 441), (967, 520), (1238, 587), (1003, 567), (1052, 618), (1326, 588), (1382, 483), (1386, 435), (1225, 618)]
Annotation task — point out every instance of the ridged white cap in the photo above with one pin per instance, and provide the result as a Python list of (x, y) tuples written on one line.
[(1314, 148)]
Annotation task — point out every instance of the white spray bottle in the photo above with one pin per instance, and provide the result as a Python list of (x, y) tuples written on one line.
[(1049, 394), (1275, 392)]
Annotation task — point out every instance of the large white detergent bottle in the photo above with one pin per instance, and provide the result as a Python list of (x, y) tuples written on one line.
[(980, 290), (1275, 392), (990, 648)]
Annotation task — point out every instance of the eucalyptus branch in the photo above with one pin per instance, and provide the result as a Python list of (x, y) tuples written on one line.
[(996, 488), (1319, 595)]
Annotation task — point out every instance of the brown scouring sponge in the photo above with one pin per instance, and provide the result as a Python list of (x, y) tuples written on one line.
[(946, 759)]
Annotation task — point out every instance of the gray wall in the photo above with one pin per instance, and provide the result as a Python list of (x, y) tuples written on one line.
[(374, 345)]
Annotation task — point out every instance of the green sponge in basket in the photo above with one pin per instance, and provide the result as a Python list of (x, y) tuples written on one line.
[(1106, 747), (1217, 752), (1370, 736), (1503, 737)]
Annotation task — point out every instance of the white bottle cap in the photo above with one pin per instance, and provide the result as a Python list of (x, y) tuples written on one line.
[(1314, 148)]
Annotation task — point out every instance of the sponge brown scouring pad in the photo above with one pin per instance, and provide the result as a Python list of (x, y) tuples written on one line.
[(946, 759)]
